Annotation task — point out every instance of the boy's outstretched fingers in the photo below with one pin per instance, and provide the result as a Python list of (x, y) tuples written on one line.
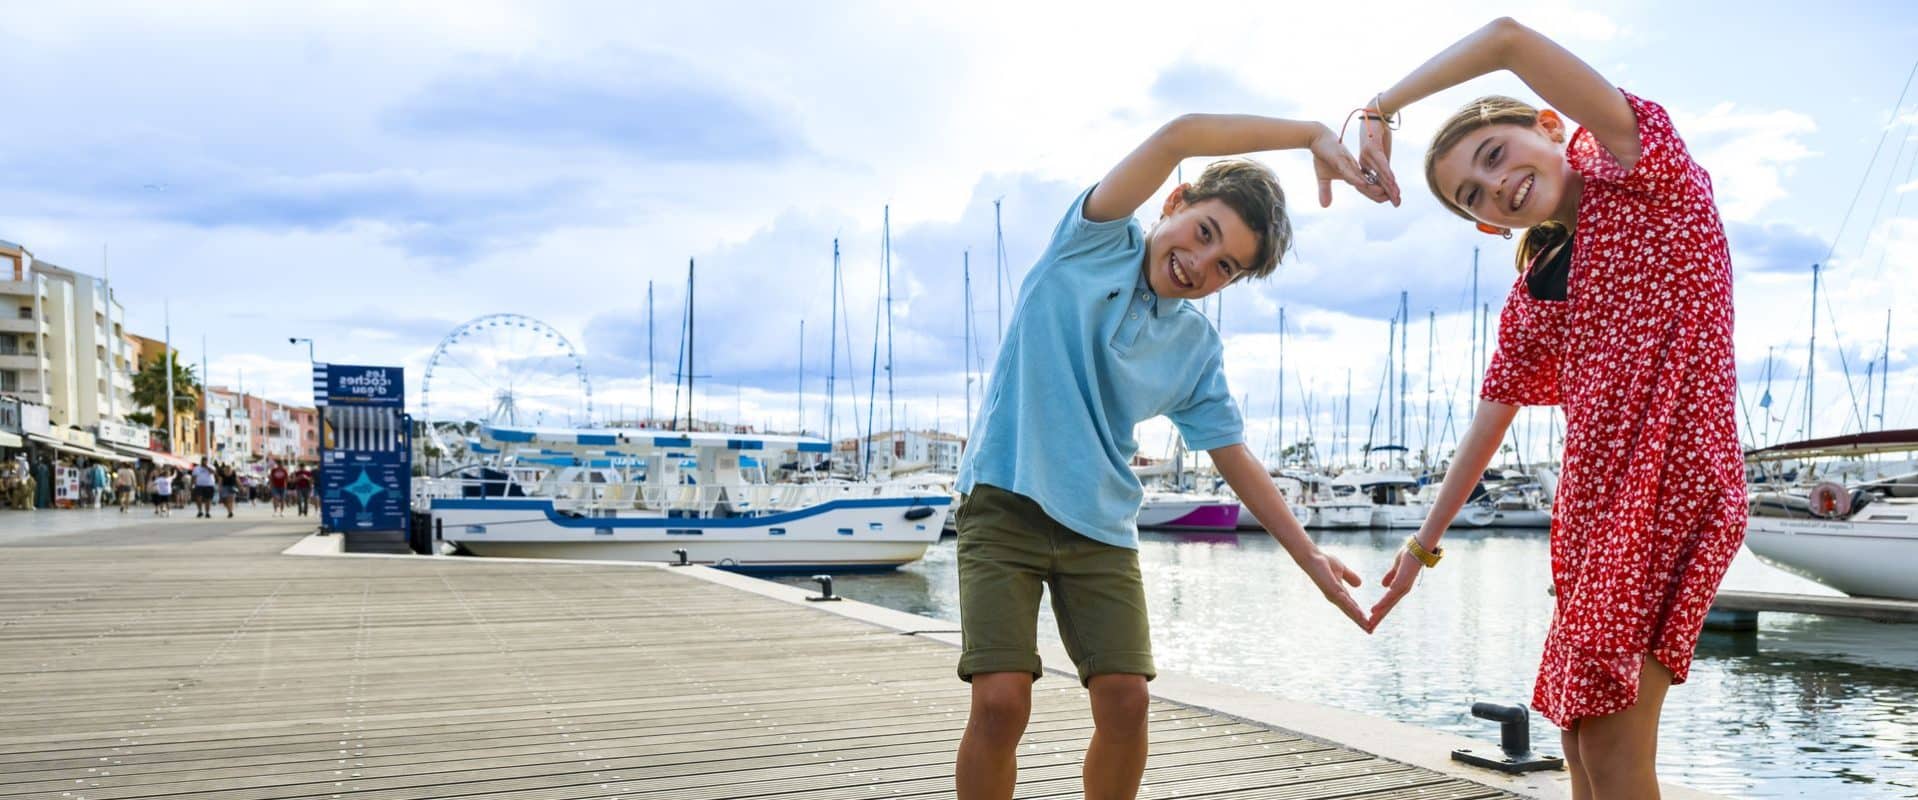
[(1328, 572)]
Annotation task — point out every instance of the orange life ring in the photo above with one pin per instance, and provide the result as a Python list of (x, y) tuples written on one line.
[(1830, 500)]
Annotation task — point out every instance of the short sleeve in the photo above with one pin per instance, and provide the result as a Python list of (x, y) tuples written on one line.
[(1208, 417), (1524, 367), (1664, 166), (1078, 236)]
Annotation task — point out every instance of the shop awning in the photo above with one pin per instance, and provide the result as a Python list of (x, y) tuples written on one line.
[(11, 440), (155, 456), (74, 449)]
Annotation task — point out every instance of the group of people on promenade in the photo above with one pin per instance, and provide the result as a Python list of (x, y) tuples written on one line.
[(28, 483)]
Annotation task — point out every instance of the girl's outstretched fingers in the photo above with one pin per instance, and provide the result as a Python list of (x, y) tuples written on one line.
[(1398, 582)]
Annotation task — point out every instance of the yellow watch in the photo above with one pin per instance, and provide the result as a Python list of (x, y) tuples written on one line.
[(1428, 558)]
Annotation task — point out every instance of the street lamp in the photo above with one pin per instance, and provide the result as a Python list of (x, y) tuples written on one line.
[(309, 347)]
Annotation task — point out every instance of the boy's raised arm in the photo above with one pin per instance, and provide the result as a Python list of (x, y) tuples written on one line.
[(1132, 182), (1257, 493)]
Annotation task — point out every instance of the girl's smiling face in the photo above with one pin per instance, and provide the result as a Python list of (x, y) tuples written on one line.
[(1197, 249), (1511, 176)]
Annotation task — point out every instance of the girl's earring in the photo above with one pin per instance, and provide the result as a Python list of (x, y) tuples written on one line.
[(1494, 230)]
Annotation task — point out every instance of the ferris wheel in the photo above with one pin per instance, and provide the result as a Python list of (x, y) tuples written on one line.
[(502, 369)]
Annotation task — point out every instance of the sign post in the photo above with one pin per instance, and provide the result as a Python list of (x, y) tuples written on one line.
[(366, 455)]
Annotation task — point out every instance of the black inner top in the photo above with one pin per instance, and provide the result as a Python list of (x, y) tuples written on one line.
[(1550, 273)]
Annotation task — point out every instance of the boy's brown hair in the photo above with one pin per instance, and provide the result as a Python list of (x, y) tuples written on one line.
[(1250, 189)]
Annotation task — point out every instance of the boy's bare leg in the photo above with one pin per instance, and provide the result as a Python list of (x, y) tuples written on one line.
[(1116, 759), (988, 764), (1620, 751)]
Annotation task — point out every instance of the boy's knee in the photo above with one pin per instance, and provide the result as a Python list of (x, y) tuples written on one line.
[(1002, 701), (1119, 699)]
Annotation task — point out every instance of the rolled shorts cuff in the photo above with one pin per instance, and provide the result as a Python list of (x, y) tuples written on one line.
[(974, 662), (1134, 663)]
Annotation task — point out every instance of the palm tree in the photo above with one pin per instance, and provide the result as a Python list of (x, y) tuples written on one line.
[(149, 391)]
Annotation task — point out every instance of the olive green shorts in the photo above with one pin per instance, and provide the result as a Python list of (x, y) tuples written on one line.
[(1008, 550)]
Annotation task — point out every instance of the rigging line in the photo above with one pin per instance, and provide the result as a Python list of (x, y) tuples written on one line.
[(1843, 362), (1868, 165), (852, 377), (1898, 207), (1891, 179)]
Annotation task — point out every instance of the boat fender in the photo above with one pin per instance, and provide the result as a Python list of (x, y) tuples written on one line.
[(1830, 500), (918, 512)]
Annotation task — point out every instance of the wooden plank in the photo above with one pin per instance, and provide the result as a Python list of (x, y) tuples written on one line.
[(194, 663)]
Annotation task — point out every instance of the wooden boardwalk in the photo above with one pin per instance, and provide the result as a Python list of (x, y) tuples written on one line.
[(189, 660)]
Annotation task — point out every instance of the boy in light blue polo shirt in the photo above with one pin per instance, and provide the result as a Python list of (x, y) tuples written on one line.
[(1101, 340)]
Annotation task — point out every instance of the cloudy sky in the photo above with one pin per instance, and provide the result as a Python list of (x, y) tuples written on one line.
[(373, 175)]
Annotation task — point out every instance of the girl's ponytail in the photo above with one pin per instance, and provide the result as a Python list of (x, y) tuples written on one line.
[(1538, 239)]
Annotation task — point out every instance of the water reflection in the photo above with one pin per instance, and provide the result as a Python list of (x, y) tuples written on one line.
[(1806, 706)]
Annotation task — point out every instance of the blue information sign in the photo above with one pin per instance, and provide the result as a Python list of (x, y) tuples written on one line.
[(366, 448)]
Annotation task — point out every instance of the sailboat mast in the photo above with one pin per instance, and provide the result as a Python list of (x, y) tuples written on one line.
[(885, 239), (832, 359), (649, 354), (1811, 352), (802, 377), (1405, 334), (1472, 408), (1884, 372), (965, 259), (689, 345), (999, 275), (1281, 420), (1431, 350)]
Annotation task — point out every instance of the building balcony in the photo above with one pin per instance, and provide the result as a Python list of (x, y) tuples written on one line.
[(22, 361), (14, 324), (20, 288)]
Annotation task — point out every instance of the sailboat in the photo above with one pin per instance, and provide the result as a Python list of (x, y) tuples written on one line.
[(1860, 538)]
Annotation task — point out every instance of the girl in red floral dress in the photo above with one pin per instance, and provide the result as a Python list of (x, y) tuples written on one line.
[(1622, 315)]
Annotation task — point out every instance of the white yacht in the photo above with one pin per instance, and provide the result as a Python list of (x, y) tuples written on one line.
[(645, 495), (1861, 539)]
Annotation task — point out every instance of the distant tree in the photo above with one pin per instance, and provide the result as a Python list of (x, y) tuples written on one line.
[(149, 390)]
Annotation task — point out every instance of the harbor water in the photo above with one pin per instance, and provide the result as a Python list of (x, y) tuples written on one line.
[(1805, 707)]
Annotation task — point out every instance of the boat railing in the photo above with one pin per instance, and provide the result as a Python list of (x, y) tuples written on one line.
[(584, 494)]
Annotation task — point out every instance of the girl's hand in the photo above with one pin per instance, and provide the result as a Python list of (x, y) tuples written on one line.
[(1332, 576), (1375, 153), (1331, 162), (1398, 582)]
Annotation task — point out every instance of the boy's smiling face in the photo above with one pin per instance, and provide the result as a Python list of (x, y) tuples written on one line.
[(1197, 249)]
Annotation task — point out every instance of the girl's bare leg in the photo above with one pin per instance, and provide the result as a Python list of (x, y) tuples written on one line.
[(1619, 752)]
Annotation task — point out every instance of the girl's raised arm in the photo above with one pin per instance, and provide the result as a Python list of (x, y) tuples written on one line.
[(1561, 79)]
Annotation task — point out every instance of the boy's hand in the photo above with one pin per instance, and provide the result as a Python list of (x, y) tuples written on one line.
[(1375, 156), (1327, 571), (1331, 162), (1398, 581)]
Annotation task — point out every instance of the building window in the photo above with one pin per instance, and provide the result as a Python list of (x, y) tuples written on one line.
[(26, 312), (9, 345), (9, 380)]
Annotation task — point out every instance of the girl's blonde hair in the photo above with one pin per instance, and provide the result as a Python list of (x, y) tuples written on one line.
[(1485, 112)]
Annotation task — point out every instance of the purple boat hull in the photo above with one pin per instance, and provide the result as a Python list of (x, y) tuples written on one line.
[(1209, 517)]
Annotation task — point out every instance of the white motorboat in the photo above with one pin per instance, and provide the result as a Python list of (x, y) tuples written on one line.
[(1341, 505), (1520, 501), (647, 495), (1391, 495), (1860, 539)]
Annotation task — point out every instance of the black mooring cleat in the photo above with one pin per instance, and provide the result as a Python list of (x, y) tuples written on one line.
[(1515, 742)]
